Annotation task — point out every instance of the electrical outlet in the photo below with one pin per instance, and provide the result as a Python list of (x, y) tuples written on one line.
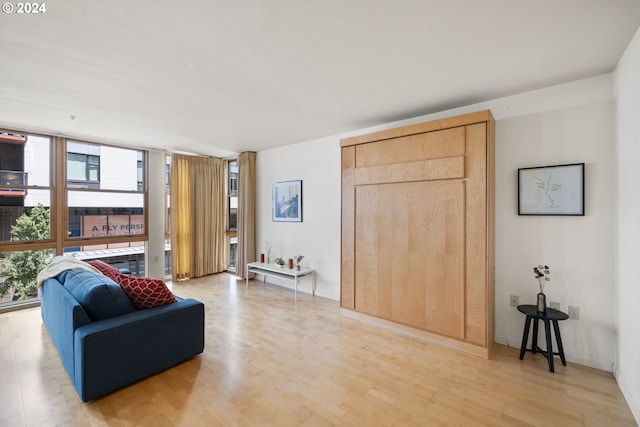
[(574, 312), (554, 304), (514, 300)]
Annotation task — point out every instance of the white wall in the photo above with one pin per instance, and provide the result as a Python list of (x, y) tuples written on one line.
[(627, 90), (570, 123), (317, 237)]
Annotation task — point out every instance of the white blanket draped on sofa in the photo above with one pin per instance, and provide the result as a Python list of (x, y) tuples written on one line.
[(59, 264)]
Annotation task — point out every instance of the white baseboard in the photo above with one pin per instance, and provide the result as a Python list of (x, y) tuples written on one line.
[(501, 340), (633, 405), (508, 342), (580, 360)]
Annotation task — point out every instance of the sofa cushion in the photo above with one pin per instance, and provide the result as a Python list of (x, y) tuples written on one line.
[(100, 296), (145, 292)]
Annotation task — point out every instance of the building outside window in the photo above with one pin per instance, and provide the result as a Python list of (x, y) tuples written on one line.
[(140, 172), (83, 165), (233, 250), (232, 213)]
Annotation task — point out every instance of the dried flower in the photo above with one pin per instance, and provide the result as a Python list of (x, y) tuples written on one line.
[(542, 273), (298, 258)]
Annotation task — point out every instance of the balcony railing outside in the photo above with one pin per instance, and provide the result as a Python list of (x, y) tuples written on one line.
[(17, 178), (13, 178)]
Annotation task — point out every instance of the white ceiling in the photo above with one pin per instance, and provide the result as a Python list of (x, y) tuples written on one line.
[(219, 77)]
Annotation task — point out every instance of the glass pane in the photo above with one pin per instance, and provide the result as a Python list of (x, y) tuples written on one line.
[(94, 169), (167, 220), (18, 273), (233, 213), (95, 214), (25, 159), (233, 248), (139, 170), (25, 217), (167, 258), (168, 171), (233, 177), (76, 167)]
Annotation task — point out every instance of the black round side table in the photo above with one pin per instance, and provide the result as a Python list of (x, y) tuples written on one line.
[(549, 316)]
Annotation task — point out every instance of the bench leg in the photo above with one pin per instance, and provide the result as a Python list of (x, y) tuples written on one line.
[(525, 336), (556, 329), (547, 333), (534, 338)]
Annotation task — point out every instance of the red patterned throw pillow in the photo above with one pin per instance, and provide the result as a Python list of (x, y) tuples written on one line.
[(145, 292), (108, 270)]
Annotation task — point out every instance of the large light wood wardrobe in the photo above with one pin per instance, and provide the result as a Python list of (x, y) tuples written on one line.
[(417, 230)]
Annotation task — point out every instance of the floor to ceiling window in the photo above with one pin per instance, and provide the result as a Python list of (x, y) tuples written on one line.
[(100, 207), (232, 213), (62, 196), (167, 216)]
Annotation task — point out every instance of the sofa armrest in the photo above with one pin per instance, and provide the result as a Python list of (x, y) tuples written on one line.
[(61, 315), (116, 352)]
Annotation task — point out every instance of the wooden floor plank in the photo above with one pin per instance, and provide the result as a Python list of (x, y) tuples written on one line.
[(271, 361)]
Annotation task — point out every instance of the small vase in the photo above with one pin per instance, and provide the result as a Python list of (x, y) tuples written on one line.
[(290, 264), (298, 266), (542, 303)]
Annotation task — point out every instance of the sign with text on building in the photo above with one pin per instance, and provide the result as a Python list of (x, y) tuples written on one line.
[(112, 225)]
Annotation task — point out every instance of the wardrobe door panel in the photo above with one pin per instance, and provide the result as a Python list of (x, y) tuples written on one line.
[(477, 250), (421, 170), (347, 276), (423, 146), (409, 253)]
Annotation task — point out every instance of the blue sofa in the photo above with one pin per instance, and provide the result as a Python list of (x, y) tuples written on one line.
[(105, 343)]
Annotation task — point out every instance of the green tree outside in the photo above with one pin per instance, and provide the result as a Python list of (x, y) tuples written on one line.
[(20, 269)]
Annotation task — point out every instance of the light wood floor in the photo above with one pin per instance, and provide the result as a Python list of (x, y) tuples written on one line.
[(269, 361)]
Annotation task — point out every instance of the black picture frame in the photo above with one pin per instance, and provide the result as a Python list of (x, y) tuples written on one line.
[(286, 201), (556, 190)]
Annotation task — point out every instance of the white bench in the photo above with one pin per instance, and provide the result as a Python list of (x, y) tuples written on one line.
[(283, 273)]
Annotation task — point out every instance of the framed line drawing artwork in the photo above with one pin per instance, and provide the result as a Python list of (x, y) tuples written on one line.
[(551, 190), (287, 201)]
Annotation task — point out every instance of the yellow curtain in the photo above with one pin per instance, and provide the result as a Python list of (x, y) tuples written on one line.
[(197, 216), (246, 250)]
